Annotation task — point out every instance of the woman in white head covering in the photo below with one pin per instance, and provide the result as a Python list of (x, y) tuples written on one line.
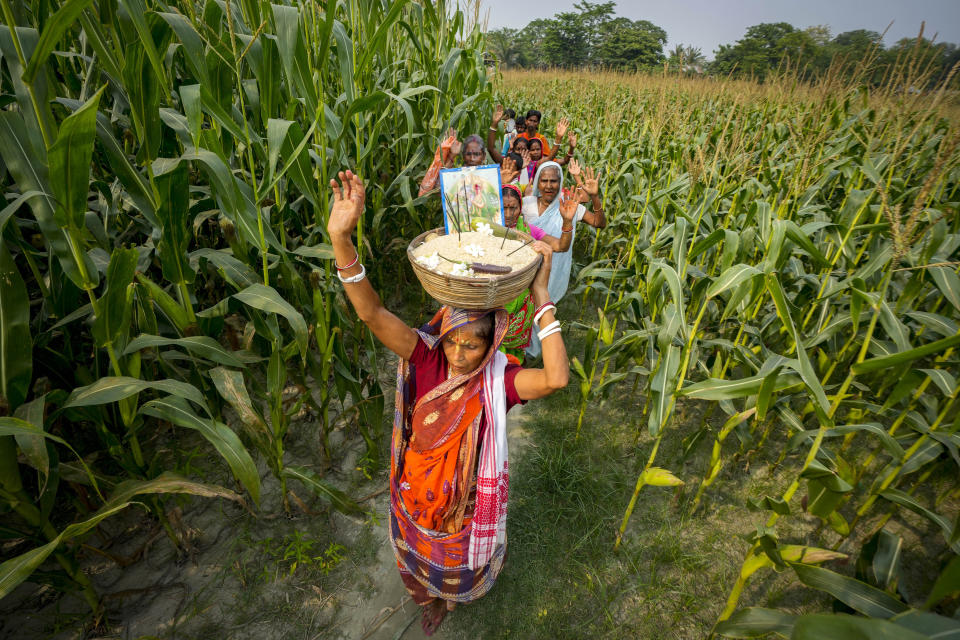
[(543, 209)]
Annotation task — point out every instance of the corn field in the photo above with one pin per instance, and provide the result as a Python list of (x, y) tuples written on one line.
[(783, 255), (163, 264), (787, 255)]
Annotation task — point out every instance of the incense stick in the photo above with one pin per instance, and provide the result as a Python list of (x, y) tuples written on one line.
[(506, 232), (520, 247), (457, 219)]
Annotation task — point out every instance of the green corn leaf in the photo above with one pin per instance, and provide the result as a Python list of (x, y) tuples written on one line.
[(765, 393), (662, 384), (18, 569), (844, 627), (202, 346), (947, 584), (170, 307), (16, 344), (223, 439), (906, 500), (756, 622), (137, 12), (731, 278), (174, 215), (113, 388), (323, 489), (231, 387), (721, 389), (28, 168), (930, 625), (879, 560), (236, 273), (267, 299), (53, 30), (143, 84), (948, 283), (904, 357), (193, 46), (943, 379), (943, 325), (293, 54), (857, 595), (797, 235), (805, 369), (21, 429), (33, 446), (319, 251), (115, 307)]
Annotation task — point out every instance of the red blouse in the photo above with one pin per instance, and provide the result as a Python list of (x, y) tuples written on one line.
[(429, 368)]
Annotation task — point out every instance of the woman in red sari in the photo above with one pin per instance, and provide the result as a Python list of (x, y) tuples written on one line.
[(449, 470)]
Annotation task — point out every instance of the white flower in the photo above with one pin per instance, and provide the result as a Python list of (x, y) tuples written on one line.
[(475, 250), (430, 262), (461, 269), (484, 228)]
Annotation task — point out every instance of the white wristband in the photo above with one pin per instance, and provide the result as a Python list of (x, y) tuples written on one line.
[(354, 279), (547, 333), (536, 318)]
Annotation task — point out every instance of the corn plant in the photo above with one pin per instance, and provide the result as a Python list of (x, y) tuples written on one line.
[(791, 258), (162, 254)]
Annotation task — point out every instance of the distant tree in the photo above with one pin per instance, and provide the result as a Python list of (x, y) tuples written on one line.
[(505, 44), (687, 59), (925, 63), (759, 52), (570, 37), (625, 43)]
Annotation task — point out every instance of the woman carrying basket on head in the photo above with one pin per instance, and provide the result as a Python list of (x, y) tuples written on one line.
[(448, 467)]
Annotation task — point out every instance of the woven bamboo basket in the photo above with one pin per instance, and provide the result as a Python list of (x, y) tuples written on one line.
[(490, 292)]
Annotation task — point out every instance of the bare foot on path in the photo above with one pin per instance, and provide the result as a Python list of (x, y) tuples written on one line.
[(432, 616)]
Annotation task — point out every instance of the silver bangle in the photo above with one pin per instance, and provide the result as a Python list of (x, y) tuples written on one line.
[(354, 279)]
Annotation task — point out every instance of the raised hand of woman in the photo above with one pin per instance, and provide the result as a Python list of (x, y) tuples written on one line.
[(572, 140), (592, 182), (456, 147), (347, 204), (525, 154), (568, 206), (574, 169), (561, 130), (508, 170), (497, 115)]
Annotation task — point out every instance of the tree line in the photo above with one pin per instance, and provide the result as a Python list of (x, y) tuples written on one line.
[(593, 36)]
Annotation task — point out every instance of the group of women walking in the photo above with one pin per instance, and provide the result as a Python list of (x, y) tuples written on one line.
[(461, 372)]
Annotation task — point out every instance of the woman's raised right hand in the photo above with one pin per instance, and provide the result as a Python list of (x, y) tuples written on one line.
[(347, 204), (568, 206)]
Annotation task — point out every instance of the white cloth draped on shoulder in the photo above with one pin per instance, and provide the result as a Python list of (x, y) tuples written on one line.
[(489, 524)]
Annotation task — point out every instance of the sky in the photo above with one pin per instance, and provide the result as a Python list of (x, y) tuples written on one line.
[(710, 23)]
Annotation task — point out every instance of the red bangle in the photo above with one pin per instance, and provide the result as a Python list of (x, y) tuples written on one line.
[(339, 268), (544, 306)]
